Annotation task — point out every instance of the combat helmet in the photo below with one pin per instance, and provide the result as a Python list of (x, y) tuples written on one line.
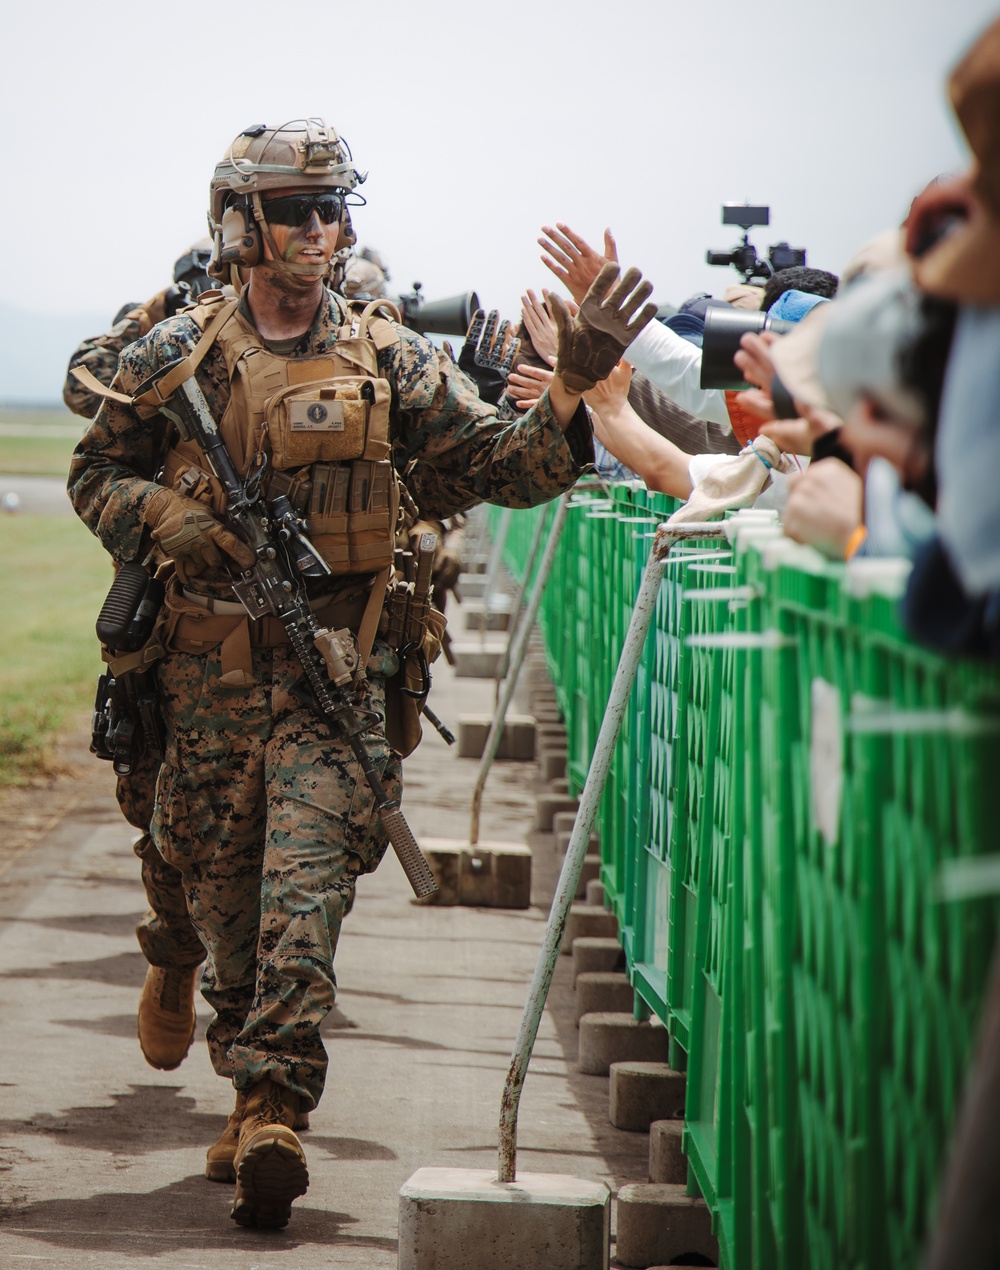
[(301, 152)]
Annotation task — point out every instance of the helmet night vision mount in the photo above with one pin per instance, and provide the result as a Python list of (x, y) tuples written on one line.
[(302, 154)]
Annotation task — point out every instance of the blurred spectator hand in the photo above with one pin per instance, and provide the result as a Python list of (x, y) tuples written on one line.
[(574, 262), (753, 357), (825, 507), (526, 384), (488, 354), (797, 436)]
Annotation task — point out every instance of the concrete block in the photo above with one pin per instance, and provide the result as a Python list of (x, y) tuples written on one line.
[(477, 658), (561, 843), (587, 920), (667, 1162), (644, 1092), (547, 714), (517, 741), (547, 805), (619, 1038), (488, 875), (591, 869), (594, 892), (591, 954), (659, 1224), (499, 616), (603, 992), (563, 822), (454, 1219), (559, 785), (552, 764)]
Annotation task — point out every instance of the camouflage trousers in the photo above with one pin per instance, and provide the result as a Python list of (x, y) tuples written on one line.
[(164, 932), (270, 822)]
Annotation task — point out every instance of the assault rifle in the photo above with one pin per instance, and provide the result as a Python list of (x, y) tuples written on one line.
[(273, 585)]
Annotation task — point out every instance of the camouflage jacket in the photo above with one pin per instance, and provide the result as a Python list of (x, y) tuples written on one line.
[(449, 446), (100, 354)]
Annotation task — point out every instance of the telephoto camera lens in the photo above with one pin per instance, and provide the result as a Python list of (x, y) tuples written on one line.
[(724, 328)]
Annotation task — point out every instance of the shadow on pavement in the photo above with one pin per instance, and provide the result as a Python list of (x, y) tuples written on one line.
[(191, 1213), (159, 1118), (123, 969)]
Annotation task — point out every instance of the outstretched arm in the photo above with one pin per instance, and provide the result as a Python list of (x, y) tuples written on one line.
[(658, 461)]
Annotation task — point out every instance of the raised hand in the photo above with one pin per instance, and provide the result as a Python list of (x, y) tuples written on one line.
[(592, 343), (488, 353), (574, 262)]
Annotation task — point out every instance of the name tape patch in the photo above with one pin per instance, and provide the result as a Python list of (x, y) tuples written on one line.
[(316, 416)]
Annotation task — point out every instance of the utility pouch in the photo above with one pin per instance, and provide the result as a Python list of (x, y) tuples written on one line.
[(128, 615), (333, 422), (352, 514)]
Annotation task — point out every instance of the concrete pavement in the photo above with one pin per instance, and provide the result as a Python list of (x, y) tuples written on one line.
[(101, 1156)]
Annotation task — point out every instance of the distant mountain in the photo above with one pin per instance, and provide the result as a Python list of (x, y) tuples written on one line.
[(35, 349)]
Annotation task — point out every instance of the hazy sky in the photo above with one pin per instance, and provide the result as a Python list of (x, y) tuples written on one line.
[(477, 124)]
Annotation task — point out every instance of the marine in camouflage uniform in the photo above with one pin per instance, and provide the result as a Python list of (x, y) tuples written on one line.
[(168, 940), (264, 813)]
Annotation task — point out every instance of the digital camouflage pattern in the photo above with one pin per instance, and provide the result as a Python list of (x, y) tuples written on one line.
[(448, 444), (270, 823), (165, 933), (262, 812), (100, 354)]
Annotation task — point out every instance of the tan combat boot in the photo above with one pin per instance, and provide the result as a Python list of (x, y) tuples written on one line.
[(220, 1158), (270, 1163), (166, 1016)]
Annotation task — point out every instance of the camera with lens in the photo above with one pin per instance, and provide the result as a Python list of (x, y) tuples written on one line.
[(724, 328), (743, 257), (450, 316)]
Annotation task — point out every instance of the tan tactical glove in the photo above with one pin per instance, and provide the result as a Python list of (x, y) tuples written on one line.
[(191, 536), (591, 344)]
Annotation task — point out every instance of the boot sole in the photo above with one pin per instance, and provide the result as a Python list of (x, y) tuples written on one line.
[(225, 1170), (271, 1173)]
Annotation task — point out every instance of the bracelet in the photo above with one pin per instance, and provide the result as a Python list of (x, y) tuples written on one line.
[(854, 542)]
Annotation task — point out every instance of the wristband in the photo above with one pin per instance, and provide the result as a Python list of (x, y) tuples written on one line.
[(854, 542)]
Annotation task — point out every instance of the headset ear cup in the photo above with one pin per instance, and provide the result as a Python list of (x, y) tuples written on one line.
[(240, 242), (347, 237)]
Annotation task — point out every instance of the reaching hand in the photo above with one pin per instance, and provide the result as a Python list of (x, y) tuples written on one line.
[(825, 507), (753, 357), (592, 343), (574, 262), (526, 384), (488, 354), (540, 325), (611, 394)]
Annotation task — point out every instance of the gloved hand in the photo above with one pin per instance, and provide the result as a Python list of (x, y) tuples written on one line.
[(488, 354), (191, 536), (591, 344)]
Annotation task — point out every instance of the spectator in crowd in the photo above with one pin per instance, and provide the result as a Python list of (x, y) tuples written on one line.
[(669, 361)]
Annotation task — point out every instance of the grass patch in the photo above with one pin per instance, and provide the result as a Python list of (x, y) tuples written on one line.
[(38, 442), (54, 576)]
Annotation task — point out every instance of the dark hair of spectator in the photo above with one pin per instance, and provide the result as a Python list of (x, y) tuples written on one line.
[(799, 278)]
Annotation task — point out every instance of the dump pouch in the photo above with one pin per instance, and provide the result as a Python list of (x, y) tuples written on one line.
[(342, 419)]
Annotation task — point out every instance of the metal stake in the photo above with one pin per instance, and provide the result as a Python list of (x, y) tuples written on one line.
[(569, 878)]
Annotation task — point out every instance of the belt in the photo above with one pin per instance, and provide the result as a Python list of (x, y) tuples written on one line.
[(228, 608)]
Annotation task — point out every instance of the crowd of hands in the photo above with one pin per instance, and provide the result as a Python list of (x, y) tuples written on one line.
[(823, 501)]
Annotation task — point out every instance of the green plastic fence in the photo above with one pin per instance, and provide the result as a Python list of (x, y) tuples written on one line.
[(791, 775)]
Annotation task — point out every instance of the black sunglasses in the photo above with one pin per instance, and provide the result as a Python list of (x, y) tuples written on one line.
[(295, 209)]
